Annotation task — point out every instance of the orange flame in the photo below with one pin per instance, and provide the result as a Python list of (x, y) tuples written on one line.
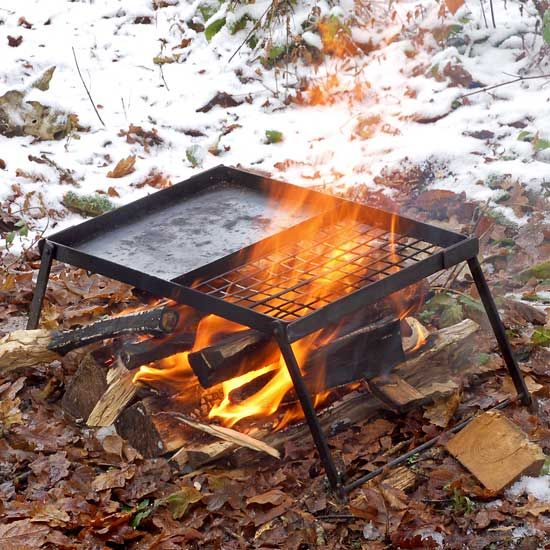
[(290, 285)]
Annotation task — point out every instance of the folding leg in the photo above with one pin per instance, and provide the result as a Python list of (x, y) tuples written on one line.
[(41, 284), (333, 475), (498, 329)]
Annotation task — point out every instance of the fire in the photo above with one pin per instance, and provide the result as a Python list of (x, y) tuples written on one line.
[(290, 285)]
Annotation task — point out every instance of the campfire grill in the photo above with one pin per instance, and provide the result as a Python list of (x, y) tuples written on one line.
[(207, 228)]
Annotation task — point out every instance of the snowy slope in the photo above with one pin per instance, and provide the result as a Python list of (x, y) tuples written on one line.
[(392, 104)]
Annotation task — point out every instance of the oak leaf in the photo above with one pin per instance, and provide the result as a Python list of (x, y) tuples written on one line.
[(123, 168)]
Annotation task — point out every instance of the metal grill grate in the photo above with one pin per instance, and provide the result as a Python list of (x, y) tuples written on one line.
[(304, 276)]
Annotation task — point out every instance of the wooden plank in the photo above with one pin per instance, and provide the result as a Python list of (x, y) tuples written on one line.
[(496, 451)]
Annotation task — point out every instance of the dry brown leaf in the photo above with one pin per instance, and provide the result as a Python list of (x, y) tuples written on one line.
[(443, 409), (123, 168), (12, 535), (274, 496), (113, 478), (534, 508), (453, 5), (508, 385)]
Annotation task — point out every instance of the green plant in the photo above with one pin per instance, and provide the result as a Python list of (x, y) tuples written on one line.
[(21, 229), (195, 155), (87, 205), (546, 26), (143, 510), (460, 503), (273, 136), (214, 28), (413, 459), (541, 336)]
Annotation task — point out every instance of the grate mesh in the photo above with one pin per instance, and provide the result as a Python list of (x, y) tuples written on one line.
[(306, 275)]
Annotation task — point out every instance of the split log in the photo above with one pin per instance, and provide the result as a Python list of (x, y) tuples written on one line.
[(85, 389), (227, 434), (150, 433), (120, 391), (25, 348), (496, 451), (395, 392)]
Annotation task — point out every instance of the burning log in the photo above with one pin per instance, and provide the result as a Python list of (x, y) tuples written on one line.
[(363, 353), (25, 348), (250, 350), (135, 354), (234, 355)]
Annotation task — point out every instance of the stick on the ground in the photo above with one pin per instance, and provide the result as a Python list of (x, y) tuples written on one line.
[(518, 79), (227, 434), (86, 88)]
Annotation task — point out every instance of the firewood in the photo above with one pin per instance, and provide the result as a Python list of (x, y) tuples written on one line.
[(354, 407), (496, 451), (395, 392), (26, 348), (445, 353), (85, 389), (150, 433), (250, 350), (364, 352), (232, 356), (120, 391), (135, 354)]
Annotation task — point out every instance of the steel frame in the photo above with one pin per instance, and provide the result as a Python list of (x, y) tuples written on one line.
[(455, 248)]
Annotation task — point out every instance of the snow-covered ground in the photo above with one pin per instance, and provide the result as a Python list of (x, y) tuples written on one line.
[(384, 109)]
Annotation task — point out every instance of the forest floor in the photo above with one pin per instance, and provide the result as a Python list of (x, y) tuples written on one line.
[(389, 123)]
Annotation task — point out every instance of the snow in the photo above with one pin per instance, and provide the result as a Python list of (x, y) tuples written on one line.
[(116, 59), (536, 487)]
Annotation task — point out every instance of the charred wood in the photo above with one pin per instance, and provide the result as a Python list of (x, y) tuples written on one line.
[(135, 354)]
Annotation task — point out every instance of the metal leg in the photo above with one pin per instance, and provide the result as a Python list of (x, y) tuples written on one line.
[(498, 329), (41, 284), (303, 394)]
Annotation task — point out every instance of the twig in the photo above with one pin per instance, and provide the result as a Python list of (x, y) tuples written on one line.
[(484, 16), (252, 31), (86, 88), (492, 14), (519, 79)]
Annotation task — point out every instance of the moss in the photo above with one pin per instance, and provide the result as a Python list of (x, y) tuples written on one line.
[(538, 271), (87, 205)]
